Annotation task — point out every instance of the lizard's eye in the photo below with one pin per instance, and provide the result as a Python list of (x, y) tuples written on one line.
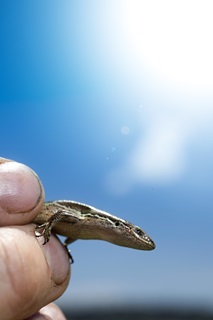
[(117, 223), (139, 232)]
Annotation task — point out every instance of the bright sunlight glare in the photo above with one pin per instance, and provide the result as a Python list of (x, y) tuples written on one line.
[(174, 38)]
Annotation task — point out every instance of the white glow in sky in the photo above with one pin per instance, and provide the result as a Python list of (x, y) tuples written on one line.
[(173, 40), (157, 157)]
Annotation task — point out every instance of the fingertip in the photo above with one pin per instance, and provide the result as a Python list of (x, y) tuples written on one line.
[(49, 312), (21, 191), (30, 278), (57, 259), (53, 312)]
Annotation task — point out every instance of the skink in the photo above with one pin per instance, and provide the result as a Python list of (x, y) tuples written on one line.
[(75, 220)]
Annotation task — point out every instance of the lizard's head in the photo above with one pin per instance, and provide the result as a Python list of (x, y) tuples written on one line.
[(133, 237), (123, 233)]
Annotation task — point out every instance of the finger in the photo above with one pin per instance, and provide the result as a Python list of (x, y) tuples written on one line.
[(49, 312), (32, 275), (21, 193)]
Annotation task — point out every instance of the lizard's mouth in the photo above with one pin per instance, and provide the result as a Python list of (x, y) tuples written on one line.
[(151, 244)]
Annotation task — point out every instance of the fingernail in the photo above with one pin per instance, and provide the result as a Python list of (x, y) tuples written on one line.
[(57, 259), (20, 188)]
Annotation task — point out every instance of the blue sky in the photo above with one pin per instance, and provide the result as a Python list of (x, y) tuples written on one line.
[(111, 104)]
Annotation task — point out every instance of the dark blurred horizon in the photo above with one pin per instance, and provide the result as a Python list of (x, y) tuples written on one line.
[(139, 314)]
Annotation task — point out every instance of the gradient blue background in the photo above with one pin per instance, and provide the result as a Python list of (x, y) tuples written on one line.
[(110, 102)]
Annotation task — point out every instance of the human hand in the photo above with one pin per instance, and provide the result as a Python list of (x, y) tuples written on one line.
[(31, 274)]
